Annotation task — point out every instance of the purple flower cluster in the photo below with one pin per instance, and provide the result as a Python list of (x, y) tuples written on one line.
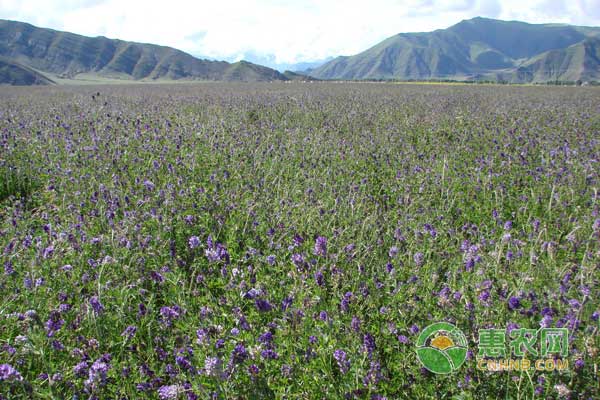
[(98, 372), (169, 392), (320, 246), (8, 373), (342, 360), (216, 251)]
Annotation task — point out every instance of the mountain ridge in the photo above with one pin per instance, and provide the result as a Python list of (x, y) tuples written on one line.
[(66, 55), (478, 48)]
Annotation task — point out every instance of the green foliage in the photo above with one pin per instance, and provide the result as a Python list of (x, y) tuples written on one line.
[(177, 225), (17, 180)]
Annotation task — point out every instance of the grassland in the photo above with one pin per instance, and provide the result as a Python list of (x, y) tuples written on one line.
[(291, 240)]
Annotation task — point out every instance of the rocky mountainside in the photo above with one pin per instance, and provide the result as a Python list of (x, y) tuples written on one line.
[(478, 48)]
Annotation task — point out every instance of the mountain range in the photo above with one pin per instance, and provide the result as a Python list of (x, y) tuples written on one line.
[(474, 49), (479, 49), (32, 55)]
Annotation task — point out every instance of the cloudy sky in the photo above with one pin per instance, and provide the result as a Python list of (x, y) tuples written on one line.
[(279, 32)]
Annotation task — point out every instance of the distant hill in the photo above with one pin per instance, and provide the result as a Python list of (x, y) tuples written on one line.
[(66, 55), (296, 76), (13, 73), (478, 48)]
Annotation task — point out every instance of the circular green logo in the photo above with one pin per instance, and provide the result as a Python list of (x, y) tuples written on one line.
[(442, 348)]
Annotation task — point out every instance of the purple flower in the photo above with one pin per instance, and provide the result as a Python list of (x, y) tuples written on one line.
[(298, 240), (54, 323), (403, 339), (511, 327), (575, 304), (341, 358), (169, 314), (345, 304), (48, 251), (263, 305), (355, 324), (170, 392), (546, 321), (389, 267), (414, 329), (393, 252), (96, 305), (271, 259), (514, 303), (216, 252), (510, 255), (419, 258), (286, 370), (253, 369), (469, 264), (269, 354), (8, 373), (184, 363), (8, 268), (484, 296), (266, 338), (373, 376), (238, 354), (539, 390), (321, 246), (149, 185), (319, 278), (286, 303), (194, 242), (129, 332), (252, 293), (202, 336), (212, 366), (369, 344), (97, 373), (431, 230), (57, 345), (508, 225), (298, 260), (81, 369)]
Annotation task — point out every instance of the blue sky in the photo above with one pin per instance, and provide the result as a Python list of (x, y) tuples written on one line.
[(279, 32)]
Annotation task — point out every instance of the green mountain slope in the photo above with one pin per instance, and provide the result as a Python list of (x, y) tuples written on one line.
[(580, 61), (13, 73), (476, 48), (296, 76), (66, 55)]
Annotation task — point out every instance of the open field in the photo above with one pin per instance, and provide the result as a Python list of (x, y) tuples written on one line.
[(292, 240)]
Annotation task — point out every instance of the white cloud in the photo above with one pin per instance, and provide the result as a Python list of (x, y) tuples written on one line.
[(291, 31)]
